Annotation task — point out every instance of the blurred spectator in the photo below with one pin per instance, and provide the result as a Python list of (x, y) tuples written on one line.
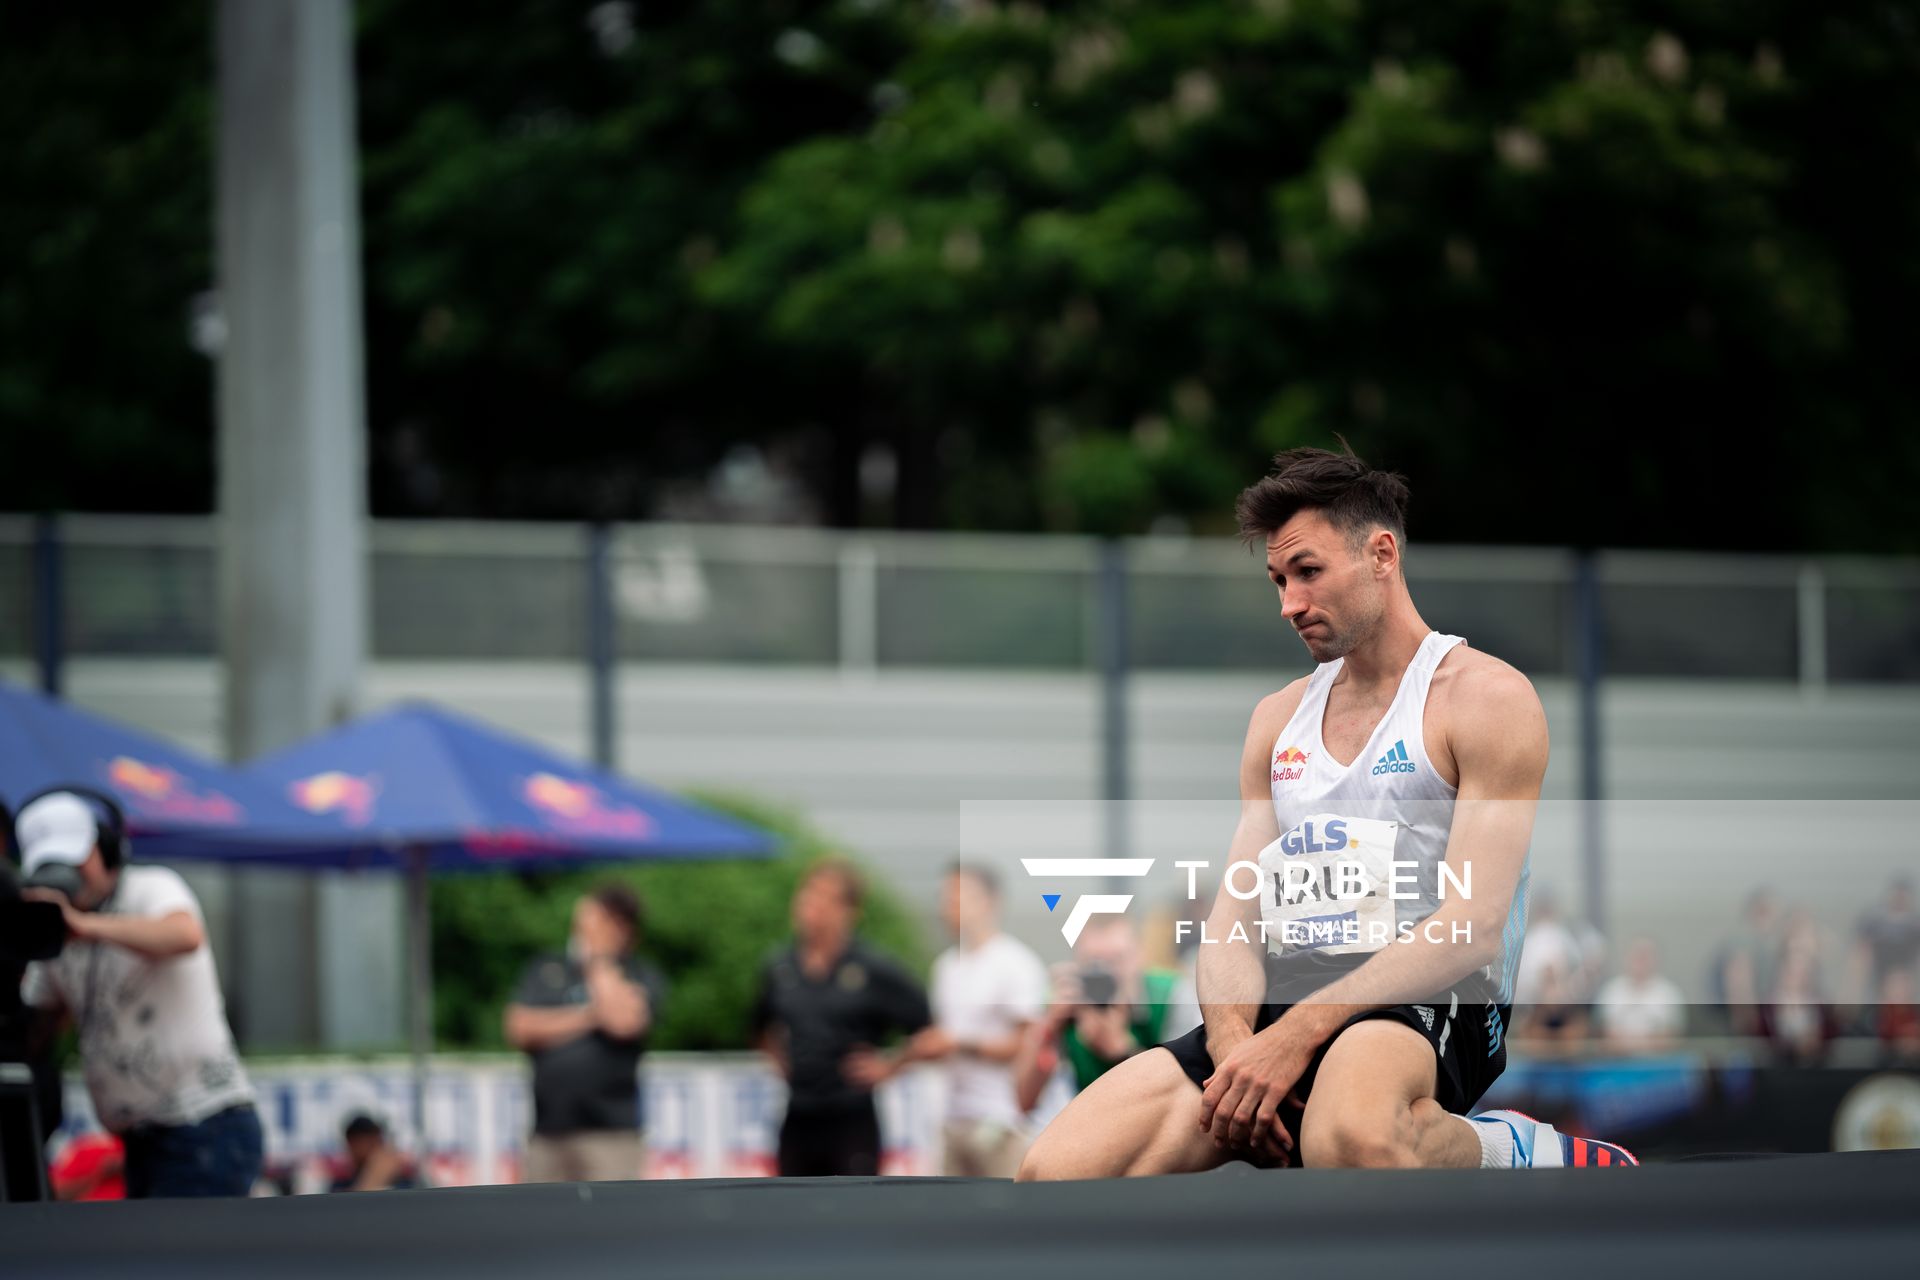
[(1641, 1011), (1799, 1018), (583, 1017), (373, 1163), (1748, 966), (1106, 1007), (1887, 939), (1897, 1018), (138, 980), (90, 1166), (825, 1004), (1552, 983), (987, 989)]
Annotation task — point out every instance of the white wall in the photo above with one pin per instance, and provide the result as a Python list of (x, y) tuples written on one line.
[(883, 762)]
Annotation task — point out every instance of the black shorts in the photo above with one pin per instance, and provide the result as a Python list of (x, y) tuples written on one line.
[(1467, 1030)]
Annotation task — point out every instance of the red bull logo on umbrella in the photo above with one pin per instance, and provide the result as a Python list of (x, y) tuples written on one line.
[(155, 791), (345, 794), (579, 807)]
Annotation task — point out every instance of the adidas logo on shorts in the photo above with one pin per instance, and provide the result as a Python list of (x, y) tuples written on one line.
[(1426, 1015)]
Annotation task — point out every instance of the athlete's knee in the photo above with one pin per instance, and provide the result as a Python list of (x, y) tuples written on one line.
[(1064, 1153), (1347, 1141), (1044, 1163), (1045, 1160)]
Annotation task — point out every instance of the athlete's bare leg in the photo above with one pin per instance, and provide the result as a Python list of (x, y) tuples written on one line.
[(1372, 1106), (1139, 1119)]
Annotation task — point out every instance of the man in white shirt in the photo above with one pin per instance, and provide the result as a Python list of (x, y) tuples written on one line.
[(138, 980), (986, 989), (1640, 1010)]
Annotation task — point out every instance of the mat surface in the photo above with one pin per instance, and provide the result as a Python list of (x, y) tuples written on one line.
[(1800, 1216)]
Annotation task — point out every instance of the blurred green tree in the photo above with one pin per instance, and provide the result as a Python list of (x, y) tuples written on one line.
[(709, 926), (1631, 272)]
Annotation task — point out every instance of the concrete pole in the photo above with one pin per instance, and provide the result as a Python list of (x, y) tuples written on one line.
[(292, 489)]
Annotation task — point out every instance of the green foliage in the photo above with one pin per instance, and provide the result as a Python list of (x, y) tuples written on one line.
[(709, 926), (1594, 271)]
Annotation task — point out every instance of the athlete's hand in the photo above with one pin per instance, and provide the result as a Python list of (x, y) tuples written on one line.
[(1240, 1104)]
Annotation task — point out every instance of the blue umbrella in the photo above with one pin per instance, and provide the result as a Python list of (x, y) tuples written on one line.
[(422, 782), (179, 805), (436, 791)]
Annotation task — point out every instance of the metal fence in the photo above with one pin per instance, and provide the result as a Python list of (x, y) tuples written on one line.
[(131, 586)]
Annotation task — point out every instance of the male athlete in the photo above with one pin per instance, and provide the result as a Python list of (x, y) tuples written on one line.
[(1356, 1006)]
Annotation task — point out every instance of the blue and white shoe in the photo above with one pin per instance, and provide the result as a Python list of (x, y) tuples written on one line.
[(1540, 1146)]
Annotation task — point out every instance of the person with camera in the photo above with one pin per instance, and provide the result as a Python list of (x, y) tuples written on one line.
[(1106, 1007), (138, 981)]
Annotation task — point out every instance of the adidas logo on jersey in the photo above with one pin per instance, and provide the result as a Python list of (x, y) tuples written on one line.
[(1395, 761), (1426, 1015)]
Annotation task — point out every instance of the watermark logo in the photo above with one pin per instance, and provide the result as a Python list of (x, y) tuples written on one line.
[(1089, 905)]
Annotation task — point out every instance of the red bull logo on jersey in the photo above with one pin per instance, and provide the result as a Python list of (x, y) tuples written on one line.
[(1290, 764), (152, 790), (345, 794), (580, 808)]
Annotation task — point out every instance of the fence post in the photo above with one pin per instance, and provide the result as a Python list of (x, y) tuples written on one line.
[(600, 643), (49, 602), (1810, 591), (858, 573), (1590, 665), (1111, 614)]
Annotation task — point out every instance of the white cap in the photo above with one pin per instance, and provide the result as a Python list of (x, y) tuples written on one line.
[(59, 828)]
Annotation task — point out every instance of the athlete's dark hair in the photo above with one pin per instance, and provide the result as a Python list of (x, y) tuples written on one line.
[(1355, 497)]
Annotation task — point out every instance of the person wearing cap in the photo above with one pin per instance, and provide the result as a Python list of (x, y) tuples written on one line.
[(137, 979)]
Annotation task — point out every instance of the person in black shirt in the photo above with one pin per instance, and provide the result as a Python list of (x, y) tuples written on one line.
[(826, 1003), (583, 1018)]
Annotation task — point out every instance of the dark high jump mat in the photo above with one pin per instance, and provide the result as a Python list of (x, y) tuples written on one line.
[(1800, 1216)]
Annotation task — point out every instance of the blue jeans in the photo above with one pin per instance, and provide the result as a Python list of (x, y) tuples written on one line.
[(220, 1156)]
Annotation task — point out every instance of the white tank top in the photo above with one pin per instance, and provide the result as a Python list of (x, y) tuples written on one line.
[(1353, 834)]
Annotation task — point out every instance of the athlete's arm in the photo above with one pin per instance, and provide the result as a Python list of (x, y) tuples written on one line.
[(1231, 975), (1499, 742)]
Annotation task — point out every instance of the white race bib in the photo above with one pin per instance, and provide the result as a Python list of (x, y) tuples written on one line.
[(1325, 886)]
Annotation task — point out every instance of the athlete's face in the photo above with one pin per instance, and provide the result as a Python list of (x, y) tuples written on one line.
[(1332, 593)]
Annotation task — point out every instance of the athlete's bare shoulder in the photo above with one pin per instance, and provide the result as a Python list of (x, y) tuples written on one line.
[(1271, 713), (1488, 715)]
